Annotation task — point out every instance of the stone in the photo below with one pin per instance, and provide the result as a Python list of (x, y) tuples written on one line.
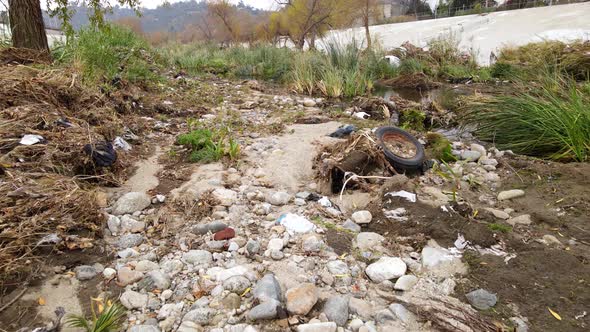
[(403, 314), (267, 288), (524, 219), (479, 148), (361, 308), (549, 240), (368, 240), (187, 326), (221, 274), (133, 300), (351, 226), (231, 301), (318, 327), (155, 279), (170, 310), (265, 310), (301, 299), (279, 198), (362, 217), (470, 155), (130, 240), (498, 213), (197, 257), (312, 243), (308, 102), (481, 299), (128, 224), (336, 309), (386, 268), (441, 261), (384, 316), (144, 328), (225, 234), (146, 266), (109, 273), (236, 284), (127, 276), (488, 162), (406, 282), (131, 202), (85, 272), (355, 324), (114, 225), (277, 255), (275, 244), (201, 316), (226, 197), (338, 267), (127, 253), (212, 227), (510, 194), (252, 247)]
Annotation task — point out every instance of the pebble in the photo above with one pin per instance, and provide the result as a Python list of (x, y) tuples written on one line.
[(226, 234), (144, 328), (146, 266), (510, 194), (267, 288), (155, 280), (406, 282), (361, 308), (368, 240), (386, 268), (226, 197), (128, 224), (355, 324), (236, 284), (200, 316), (275, 244), (498, 213), (312, 243), (318, 327), (279, 198), (402, 313), (351, 226), (524, 219), (470, 155), (85, 272), (197, 257), (308, 102), (481, 299), (127, 253), (130, 240), (109, 273), (131, 202), (479, 148), (265, 310), (212, 227), (336, 309), (133, 300), (252, 247), (127, 276), (362, 217), (301, 299), (338, 267)]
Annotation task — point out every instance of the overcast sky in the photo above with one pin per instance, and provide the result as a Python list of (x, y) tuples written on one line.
[(263, 4)]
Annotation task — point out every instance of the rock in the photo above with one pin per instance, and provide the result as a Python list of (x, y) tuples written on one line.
[(146, 266), (265, 310), (220, 274), (510, 194), (212, 227), (267, 288), (294, 223), (144, 328), (109, 273), (479, 148), (308, 102), (338, 267), (252, 247), (336, 309), (131, 203), (197, 257), (384, 316), (481, 299), (351, 226), (355, 324), (361, 308), (498, 213), (236, 284), (488, 162), (129, 241), (524, 219), (403, 314), (301, 299), (317, 327), (549, 240), (362, 217), (231, 301), (114, 225), (129, 224), (225, 234), (406, 282), (127, 276), (520, 324), (368, 240), (312, 243), (187, 326), (127, 253), (201, 316), (133, 300), (85, 272), (386, 268), (470, 155), (275, 244), (279, 198), (170, 310), (226, 197), (155, 280), (440, 260)]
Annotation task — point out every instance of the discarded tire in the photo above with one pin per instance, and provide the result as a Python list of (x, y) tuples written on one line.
[(401, 149)]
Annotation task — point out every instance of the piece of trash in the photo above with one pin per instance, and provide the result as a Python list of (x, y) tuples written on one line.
[(122, 144), (444, 208), (343, 131), (556, 315), (295, 223), (461, 243), (64, 123), (52, 238), (582, 315), (325, 202), (41, 301), (396, 214), (31, 139), (129, 135), (361, 115), (405, 194), (167, 103), (102, 153)]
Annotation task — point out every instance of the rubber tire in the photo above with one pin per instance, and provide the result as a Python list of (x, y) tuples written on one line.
[(402, 164)]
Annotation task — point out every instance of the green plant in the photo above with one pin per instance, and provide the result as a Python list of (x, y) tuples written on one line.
[(440, 148), (412, 119), (500, 227), (209, 145), (550, 120), (107, 319)]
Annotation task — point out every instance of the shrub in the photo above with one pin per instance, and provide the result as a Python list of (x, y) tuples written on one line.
[(107, 319), (209, 145), (551, 120)]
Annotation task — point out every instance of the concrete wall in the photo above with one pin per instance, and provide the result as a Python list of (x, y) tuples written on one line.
[(484, 33)]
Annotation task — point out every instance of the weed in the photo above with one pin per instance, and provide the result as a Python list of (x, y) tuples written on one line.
[(500, 227), (412, 119), (107, 319), (210, 145), (440, 148)]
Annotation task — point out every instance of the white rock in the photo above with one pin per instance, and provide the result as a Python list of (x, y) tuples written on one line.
[(524, 219), (275, 244), (479, 148), (362, 217), (279, 198), (133, 300), (386, 268), (317, 327), (510, 194), (296, 224), (197, 257), (406, 282), (498, 213), (308, 102), (131, 203), (226, 197), (109, 273), (368, 240)]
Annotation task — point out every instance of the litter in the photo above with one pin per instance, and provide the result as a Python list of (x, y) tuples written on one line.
[(411, 197), (52, 238), (343, 131), (461, 243), (325, 202), (295, 223), (103, 154), (396, 214), (361, 115), (31, 139), (122, 144)]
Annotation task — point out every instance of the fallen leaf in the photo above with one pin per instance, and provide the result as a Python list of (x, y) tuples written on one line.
[(41, 301), (556, 315), (100, 307), (245, 292)]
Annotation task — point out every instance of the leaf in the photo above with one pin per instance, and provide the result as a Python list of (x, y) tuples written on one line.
[(41, 301), (246, 292), (556, 315), (100, 307)]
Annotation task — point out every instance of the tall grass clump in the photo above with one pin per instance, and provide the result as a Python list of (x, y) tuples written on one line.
[(209, 145), (111, 54), (551, 120)]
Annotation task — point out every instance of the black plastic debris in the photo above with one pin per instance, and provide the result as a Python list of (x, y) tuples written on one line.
[(343, 131), (102, 153), (64, 123)]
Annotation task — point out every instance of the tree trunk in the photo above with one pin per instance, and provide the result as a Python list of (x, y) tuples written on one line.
[(367, 32), (26, 24)]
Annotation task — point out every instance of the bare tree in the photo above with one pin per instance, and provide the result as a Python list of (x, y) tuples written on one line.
[(26, 24)]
